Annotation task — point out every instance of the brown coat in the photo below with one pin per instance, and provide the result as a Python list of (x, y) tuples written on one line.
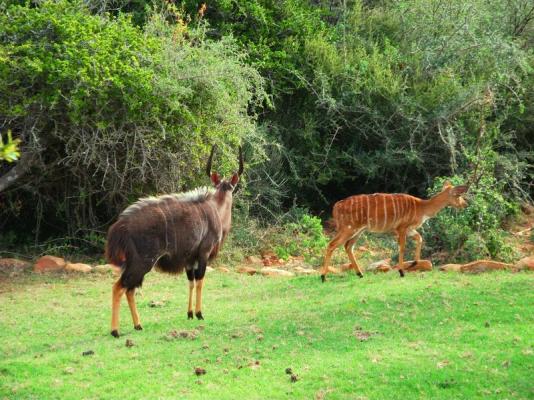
[(171, 232)]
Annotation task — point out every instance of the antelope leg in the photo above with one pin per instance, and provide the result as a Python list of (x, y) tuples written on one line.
[(116, 294), (191, 278), (199, 284), (402, 243), (130, 296), (340, 238), (349, 249)]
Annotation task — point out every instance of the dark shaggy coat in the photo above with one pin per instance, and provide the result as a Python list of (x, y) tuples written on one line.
[(170, 232)]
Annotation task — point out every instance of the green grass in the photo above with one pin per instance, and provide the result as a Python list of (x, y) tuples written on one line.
[(439, 336)]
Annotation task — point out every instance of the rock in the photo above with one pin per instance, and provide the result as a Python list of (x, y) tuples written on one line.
[(294, 262), (345, 267), (252, 260), (420, 265), (526, 263), (13, 266), (49, 264), (304, 271), (106, 269), (223, 269), (295, 259), (275, 272), (267, 253), (78, 267), (380, 266), (209, 269), (450, 267), (269, 258), (272, 260), (246, 270), (476, 267), (479, 266)]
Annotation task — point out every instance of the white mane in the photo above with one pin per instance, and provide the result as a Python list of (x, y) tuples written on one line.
[(194, 195)]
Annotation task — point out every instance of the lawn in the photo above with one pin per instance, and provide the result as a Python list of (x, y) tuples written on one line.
[(434, 335)]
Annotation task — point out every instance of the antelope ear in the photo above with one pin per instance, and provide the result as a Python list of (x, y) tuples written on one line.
[(235, 179), (446, 184), (215, 179), (458, 190)]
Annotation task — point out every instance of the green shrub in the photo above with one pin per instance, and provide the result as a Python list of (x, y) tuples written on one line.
[(384, 95), (304, 237), (111, 112), (475, 232)]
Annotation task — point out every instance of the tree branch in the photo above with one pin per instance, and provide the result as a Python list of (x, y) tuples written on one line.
[(18, 171)]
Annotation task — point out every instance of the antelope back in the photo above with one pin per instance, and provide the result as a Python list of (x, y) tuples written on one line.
[(379, 212), (179, 224)]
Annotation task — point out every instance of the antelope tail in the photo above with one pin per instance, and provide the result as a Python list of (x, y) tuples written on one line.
[(118, 244), (121, 251)]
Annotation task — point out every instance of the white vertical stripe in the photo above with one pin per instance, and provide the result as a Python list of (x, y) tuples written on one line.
[(394, 199), (384, 198), (368, 205), (360, 202), (376, 211), (352, 210)]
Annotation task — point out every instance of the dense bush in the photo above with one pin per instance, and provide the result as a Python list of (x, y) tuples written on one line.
[(304, 237), (110, 112), (384, 96), (475, 232), (115, 99)]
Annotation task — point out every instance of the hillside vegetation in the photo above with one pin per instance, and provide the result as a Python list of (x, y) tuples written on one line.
[(109, 101)]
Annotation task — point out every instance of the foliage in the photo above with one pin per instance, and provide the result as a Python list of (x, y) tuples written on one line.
[(304, 237), (475, 232), (337, 337), (330, 98), (384, 96), (9, 151), (114, 112)]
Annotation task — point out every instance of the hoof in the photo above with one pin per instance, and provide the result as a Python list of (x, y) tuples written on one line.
[(359, 274), (115, 333), (138, 327), (401, 272), (323, 278), (199, 315), (190, 315)]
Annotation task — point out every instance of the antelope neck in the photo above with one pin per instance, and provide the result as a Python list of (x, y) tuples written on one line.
[(223, 202), (435, 204)]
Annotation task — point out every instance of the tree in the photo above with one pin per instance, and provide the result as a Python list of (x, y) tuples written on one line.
[(110, 112)]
